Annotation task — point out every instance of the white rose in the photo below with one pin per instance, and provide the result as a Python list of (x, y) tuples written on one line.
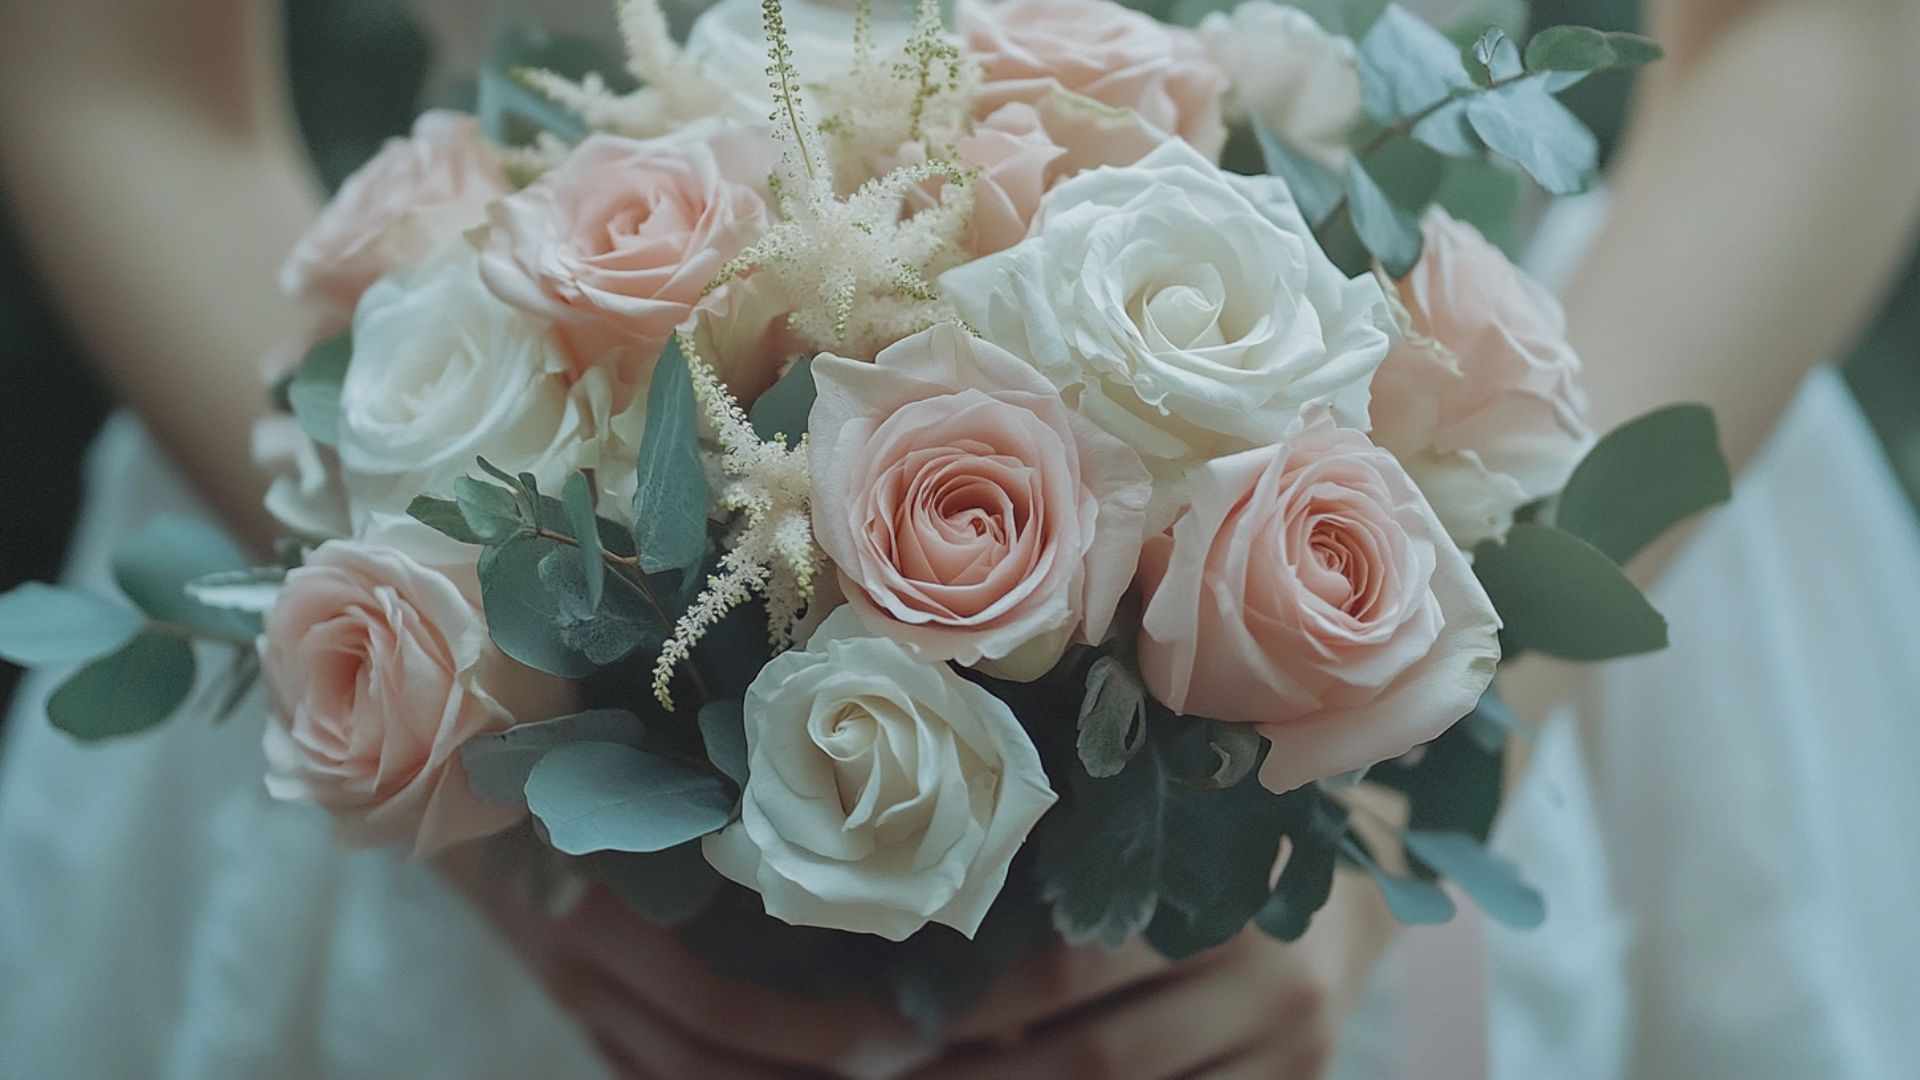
[(306, 497), (1287, 74), (1190, 313), (884, 793), (443, 371)]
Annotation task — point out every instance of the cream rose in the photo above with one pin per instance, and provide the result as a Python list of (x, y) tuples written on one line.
[(443, 371), (1189, 313), (618, 244), (1310, 590), (883, 793), (1481, 401), (413, 194), (378, 667), (730, 43), (1098, 48), (971, 515), (1287, 74)]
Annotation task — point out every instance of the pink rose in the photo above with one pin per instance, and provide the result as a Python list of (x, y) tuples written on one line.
[(378, 668), (1482, 400), (1310, 590), (393, 210), (1098, 48), (618, 243), (971, 514), (1021, 151)]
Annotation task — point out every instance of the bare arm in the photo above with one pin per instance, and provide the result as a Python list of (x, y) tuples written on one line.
[(149, 154), (1768, 190)]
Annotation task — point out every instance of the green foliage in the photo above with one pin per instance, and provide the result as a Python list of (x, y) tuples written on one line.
[(1523, 123), (444, 517), (1389, 232), (1407, 68), (1099, 851), (1113, 717), (169, 553), (498, 763), (1217, 862), (937, 974), (522, 614), (1486, 194), (670, 502), (723, 731), (1236, 750), (1507, 16), (45, 624), (127, 691), (1306, 879), (666, 888), (493, 514), (602, 796), (1490, 880), (624, 620), (1316, 188), (1643, 478), (1583, 49), (579, 499), (1561, 595), (1452, 784), (783, 409), (314, 391)]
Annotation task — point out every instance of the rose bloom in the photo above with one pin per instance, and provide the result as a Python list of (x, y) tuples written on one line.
[(618, 243), (1190, 313), (1098, 48), (1287, 75), (413, 194), (729, 41), (378, 667), (443, 371), (971, 515), (1023, 150), (1310, 590), (1482, 399), (883, 793)]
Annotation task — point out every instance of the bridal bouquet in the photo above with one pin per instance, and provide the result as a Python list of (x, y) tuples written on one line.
[(874, 494)]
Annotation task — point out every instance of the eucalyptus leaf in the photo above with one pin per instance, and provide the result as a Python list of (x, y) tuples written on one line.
[(1412, 901), (493, 514), (586, 534), (127, 691), (444, 517), (666, 888), (1523, 123), (723, 728), (783, 409), (1389, 232), (1561, 595), (499, 762), (249, 594), (670, 501), (1633, 50), (1569, 48), (46, 624), (1492, 881), (314, 391), (155, 567), (522, 615), (1113, 717), (1643, 478), (1407, 66), (1485, 193), (602, 796), (604, 633), (1466, 27), (1316, 189)]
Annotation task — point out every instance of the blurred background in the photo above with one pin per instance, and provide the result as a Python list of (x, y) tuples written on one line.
[(374, 64)]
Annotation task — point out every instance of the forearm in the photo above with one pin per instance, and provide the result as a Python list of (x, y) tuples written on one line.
[(150, 160)]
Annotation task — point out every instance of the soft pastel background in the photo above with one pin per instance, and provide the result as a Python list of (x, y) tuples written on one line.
[(373, 63)]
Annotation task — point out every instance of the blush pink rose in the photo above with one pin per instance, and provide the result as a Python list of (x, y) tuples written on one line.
[(1309, 590), (378, 667), (1482, 399), (1020, 151), (393, 210), (1098, 48), (972, 516), (618, 243)]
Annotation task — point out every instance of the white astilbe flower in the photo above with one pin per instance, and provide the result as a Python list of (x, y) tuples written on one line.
[(766, 487), (880, 102), (674, 89), (855, 274)]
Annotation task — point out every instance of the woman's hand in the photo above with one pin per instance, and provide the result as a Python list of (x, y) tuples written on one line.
[(1254, 1008)]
